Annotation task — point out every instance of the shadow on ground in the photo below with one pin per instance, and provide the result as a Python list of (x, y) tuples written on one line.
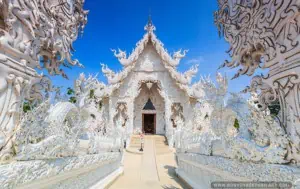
[(173, 176)]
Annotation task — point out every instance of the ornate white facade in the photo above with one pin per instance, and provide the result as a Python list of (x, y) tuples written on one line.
[(149, 73)]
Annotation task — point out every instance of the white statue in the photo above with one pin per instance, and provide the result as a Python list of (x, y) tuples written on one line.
[(258, 138)]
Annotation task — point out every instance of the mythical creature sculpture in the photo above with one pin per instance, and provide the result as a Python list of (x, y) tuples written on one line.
[(191, 73), (85, 89), (243, 142), (115, 78), (49, 132), (122, 57), (202, 116), (60, 130), (199, 137), (159, 46), (178, 122), (214, 94), (107, 72), (260, 137), (177, 56), (185, 78)]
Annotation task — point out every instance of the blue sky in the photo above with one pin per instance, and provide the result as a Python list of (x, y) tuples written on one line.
[(179, 24)]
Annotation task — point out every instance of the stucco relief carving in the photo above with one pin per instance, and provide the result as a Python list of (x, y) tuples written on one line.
[(33, 174), (121, 115), (34, 34), (154, 95), (256, 30), (183, 79), (177, 56), (259, 138), (149, 36), (12, 92), (265, 34), (147, 63), (52, 131), (42, 28), (177, 115), (150, 64), (39, 34), (140, 75), (178, 121)]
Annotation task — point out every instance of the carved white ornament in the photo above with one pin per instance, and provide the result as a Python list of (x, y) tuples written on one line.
[(265, 34)]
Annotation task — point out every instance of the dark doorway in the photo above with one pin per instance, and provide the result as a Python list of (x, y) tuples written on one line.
[(149, 123)]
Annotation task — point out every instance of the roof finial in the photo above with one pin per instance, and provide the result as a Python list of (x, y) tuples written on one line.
[(149, 17), (150, 27)]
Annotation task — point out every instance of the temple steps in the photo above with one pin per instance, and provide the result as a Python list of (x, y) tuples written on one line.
[(161, 145), (135, 145), (153, 169), (160, 142), (135, 141)]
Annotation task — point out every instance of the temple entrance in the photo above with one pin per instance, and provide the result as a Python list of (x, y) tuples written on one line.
[(149, 125), (149, 110)]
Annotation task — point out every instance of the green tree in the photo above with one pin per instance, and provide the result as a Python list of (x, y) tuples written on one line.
[(71, 93), (26, 107), (92, 93), (236, 124)]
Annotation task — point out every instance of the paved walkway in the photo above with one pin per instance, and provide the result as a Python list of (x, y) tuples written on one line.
[(154, 169), (149, 170)]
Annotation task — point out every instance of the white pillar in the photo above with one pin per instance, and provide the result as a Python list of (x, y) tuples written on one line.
[(15, 80)]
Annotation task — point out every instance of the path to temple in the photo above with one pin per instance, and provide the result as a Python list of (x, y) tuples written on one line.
[(155, 168)]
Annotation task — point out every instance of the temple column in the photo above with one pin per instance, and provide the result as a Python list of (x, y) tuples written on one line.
[(15, 79), (130, 115), (169, 129)]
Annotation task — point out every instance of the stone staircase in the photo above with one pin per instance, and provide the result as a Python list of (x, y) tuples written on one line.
[(135, 145), (135, 141), (161, 144)]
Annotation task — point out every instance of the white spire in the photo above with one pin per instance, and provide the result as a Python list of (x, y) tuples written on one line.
[(150, 27)]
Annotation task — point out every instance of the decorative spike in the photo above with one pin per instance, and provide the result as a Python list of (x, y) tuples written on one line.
[(235, 76), (246, 90)]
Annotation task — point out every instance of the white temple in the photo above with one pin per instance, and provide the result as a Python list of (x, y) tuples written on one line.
[(149, 95), (63, 141)]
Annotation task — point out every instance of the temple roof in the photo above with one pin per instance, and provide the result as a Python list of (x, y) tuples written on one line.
[(170, 62)]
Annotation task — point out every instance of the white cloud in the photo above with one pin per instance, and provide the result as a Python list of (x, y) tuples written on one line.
[(196, 60)]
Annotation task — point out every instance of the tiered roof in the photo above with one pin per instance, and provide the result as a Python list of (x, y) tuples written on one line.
[(170, 62)]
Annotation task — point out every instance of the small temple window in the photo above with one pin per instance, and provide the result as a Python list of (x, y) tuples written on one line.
[(149, 105)]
